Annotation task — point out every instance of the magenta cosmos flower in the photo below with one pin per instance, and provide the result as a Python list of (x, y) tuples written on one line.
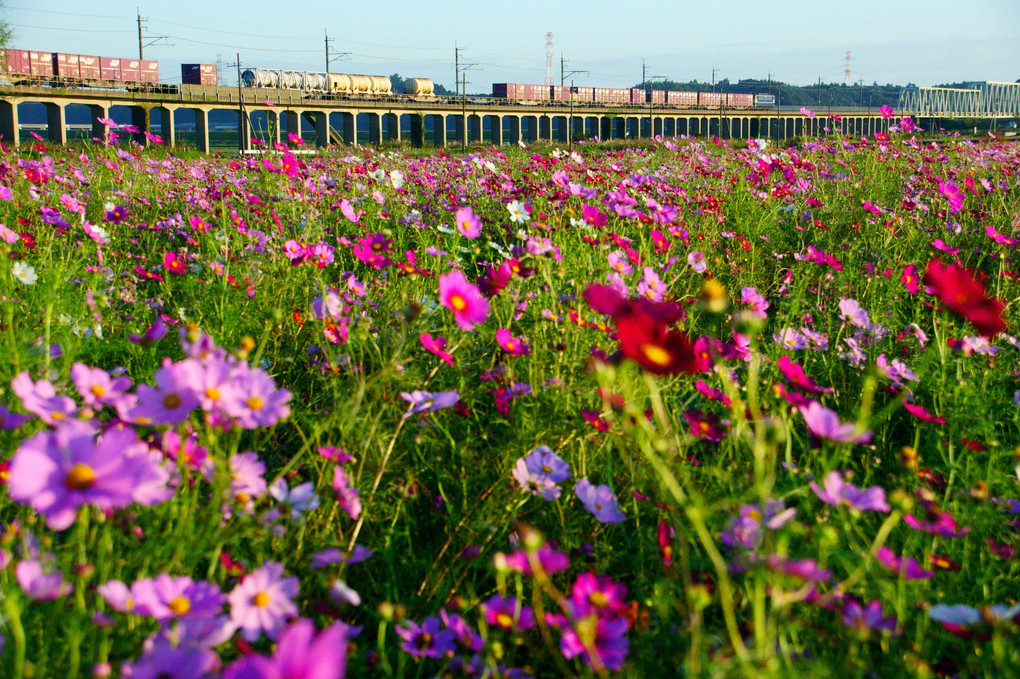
[(58, 471), (436, 346), (263, 602), (907, 568), (299, 654), (515, 346), (838, 492), (463, 298)]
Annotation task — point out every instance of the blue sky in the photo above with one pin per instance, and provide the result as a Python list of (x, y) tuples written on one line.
[(795, 40)]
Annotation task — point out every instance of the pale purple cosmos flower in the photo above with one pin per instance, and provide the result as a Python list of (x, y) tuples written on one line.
[(759, 305), (96, 387), (958, 617), (825, 423), (609, 643), (166, 597), (38, 583), (540, 471), (791, 339), (300, 654), (838, 492), (254, 401), (58, 471), (246, 477), (426, 401), (263, 602), (164, 661), (618, 262), (599, 501), (851, 310), (745, 530), (41, 399), (170, 401), (9, 420), (895, 370), (696, 261), (427, 640), (868, 617)]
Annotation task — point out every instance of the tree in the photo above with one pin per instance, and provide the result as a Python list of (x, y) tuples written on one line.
[(6, 32)]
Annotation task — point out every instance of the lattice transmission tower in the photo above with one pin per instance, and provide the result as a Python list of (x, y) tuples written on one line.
[(846, 67), (548, 59)]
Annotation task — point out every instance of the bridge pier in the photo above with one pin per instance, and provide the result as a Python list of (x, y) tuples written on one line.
[(460, 129), (202, 129), (97, 111), (10, 130), (605, 128), (513, 129), (392, 127), (474, 129), (56, 124), (439, 130), (166, 125), (140, 119), (292, 120), (349, 128), (545, 127), (319, 121)]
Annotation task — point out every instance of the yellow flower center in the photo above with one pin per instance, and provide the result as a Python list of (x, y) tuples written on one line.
[(81, 477), (255, 403), (656, 354), (504, 620), (57, 415), (212, 393), (171, 401), (179, 605), (261, 600), (458, 303), (598, 599), (98, 390)]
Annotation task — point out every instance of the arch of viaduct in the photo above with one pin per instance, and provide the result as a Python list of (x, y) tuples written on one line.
[(345, 122)]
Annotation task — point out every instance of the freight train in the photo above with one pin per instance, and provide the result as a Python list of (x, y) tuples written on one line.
[(58, 69), (536, 94)]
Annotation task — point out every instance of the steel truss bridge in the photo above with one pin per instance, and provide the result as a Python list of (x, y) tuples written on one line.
[(981, 100)]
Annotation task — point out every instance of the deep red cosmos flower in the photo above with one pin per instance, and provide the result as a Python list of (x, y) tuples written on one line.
[(643, 331), (962, 293)]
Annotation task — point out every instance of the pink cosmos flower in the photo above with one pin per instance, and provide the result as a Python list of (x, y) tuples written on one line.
[(58, 471), (463, 298), (886, 111), (263, 602), (592, 216), (759, 305), (696, 261), (906, 567), (175, 264), (826, 424), (246, 477), (254, 401), (468, 223), (346, 493), (515, 346), (606, 636), (300, 654), (436, 346), (39, 583), (953, 194), (804, 110)]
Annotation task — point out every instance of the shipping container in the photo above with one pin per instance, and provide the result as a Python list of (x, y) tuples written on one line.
[(66, 66), (130, 70), (741, 100), (559, 92), (198, 74), (618, 95), (41, 64), (504, 90), (764, 100), (109, 68), (16, 62), (658, 97), (584, 94), (638, 95), (89, 67), (150, 71), (682, 98), (710, 99)]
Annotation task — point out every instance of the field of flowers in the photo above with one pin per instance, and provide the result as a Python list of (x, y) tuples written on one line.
[(695, 408)]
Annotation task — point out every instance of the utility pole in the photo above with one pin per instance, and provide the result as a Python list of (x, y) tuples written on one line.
[(570, 118), (241, 127), (463, 112), (456, 69), (140, 57), (326, 33), (332, 56)]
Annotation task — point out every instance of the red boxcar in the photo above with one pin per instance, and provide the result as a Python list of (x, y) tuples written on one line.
[(89, 67), (150, 71), (559, 92), (658, 96), (41, 64), (711, 99), (109, 68), (17, 62), (66, 66), (130, 70), (638, 95), (682, 98), (618, 95), (198, 74), (584, 94), (741, 100)]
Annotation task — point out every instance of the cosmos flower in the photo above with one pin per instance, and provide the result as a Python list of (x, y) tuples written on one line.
[(24, 273), (962, 293), (906, 567), (436, 346), (263, 602), (428, 640), (468, 224), (426, 401), (599, 501), (540, 471), (515, 346), (463, 298), (300, 654), (838, 493), (166, 597)]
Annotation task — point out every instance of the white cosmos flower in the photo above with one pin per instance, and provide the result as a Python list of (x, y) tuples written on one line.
[(24, 273), (518, 214)]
